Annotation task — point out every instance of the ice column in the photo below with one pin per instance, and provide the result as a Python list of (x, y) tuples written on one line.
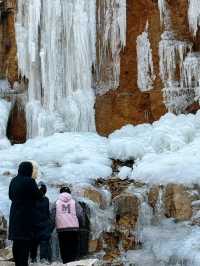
[(194, 15), (56, 50), (144, 62), (111, 29)]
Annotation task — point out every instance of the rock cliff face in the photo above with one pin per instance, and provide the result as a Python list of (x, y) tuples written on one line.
[(128, 103)]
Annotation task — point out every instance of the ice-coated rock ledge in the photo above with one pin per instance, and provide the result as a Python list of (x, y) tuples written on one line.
[(90, 262)]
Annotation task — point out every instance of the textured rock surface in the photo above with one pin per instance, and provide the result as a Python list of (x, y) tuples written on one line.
[(3, 231), (177, 202), (126, 208)]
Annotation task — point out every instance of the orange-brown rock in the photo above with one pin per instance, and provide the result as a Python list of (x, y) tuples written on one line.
[(16, 128), (95, 196), (153, 196), (177, 202), (95, 245), (8, 49), (126, 208), (128, 104)]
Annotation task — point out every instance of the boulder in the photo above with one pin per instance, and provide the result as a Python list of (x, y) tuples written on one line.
[(95, 196), (178, 204), (126, 207), (3, 231), (6, 254), (95, 245)]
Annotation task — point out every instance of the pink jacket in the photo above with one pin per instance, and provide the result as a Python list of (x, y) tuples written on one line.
[(66, 212)]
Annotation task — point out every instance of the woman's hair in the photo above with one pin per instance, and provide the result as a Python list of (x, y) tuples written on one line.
[(25, 169), (35, 169), (65, 189)]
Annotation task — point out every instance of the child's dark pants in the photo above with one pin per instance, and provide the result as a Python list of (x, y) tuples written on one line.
[(45, 250), (69, 245)]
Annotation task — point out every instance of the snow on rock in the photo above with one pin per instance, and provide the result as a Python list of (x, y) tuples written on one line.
[(56, 50), (145, 62), (166, 151), (72, 158), (124, 172), (194, 15), (167, 244)]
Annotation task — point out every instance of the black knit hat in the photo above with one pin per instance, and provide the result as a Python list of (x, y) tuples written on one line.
[(25, 169), (42, 187), (65, 189)]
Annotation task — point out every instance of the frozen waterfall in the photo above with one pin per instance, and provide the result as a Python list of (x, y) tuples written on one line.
[(56, 50), (194, 15), (56, 47)]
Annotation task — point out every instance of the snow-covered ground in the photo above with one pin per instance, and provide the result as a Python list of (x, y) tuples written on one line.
[(167, 244), (166, 151)]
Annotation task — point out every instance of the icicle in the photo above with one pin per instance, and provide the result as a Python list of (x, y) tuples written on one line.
[(56, 50), (4, 110), (172, 53), (194, 15), (111, 27), (145, 62), (164, 14), (177, 98), (191, 74)]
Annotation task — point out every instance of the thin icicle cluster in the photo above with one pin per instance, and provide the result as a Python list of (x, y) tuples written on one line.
[(172, 53), (191, 73), (4, 110), (111, 28), (144, 62), (164, 14), (56, 49), (194, 15), (177, 98)]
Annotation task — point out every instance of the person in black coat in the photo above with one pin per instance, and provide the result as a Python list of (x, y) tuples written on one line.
[(23, 192), (42, 228)]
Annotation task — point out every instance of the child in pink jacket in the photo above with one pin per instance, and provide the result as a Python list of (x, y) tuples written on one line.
[(67, 225)]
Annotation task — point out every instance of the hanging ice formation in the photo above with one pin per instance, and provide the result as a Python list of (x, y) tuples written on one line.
[(172, 53), (144, 62), (191, 74), (56, 50), (4, 110), (111, 30), (177, 96), (194, 15), (164, 14)]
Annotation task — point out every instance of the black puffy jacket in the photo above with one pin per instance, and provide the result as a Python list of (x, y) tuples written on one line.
[(42, 221), (23, 192)]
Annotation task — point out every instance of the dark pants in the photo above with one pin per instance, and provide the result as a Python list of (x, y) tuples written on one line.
[(69, 245), (21, 250), (45, 250)]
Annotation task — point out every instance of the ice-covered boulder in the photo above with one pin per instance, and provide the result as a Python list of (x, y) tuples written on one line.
[(126, 207), (177, 202)]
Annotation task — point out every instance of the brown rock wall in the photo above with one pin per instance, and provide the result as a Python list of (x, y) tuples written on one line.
[(127, 104)]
